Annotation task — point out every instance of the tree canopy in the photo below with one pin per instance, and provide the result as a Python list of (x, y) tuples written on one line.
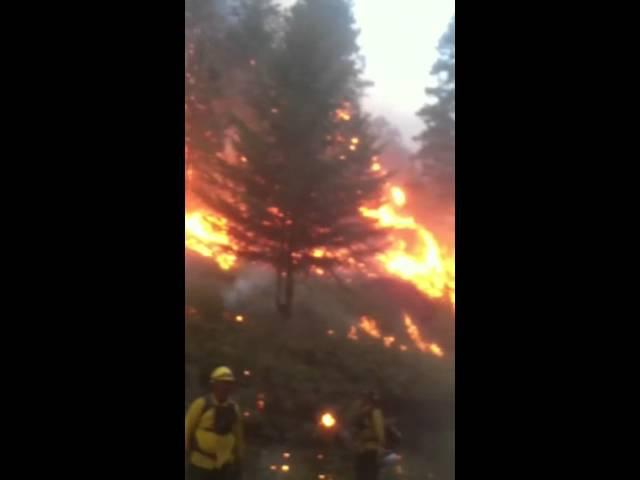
[(437, 141), (300, 166)]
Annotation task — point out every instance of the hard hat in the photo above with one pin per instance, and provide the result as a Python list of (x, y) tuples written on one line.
[(222, 374)]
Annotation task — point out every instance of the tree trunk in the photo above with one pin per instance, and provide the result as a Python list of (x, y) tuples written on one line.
[(284, 289), (288, 292), (278, 292)]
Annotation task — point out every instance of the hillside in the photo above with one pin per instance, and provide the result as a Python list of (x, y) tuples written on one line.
[(307, 365)]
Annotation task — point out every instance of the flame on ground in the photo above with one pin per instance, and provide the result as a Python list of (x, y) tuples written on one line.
[(369, 326), (353, 333), (327, 420), (421, 344)]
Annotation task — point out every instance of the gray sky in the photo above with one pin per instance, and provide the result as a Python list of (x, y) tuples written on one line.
[(398, 39)]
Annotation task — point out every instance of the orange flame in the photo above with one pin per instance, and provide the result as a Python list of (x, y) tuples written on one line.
[(424, 264), (399, 197), (414, 333), (206, 235), (369, 326), (343, 114)]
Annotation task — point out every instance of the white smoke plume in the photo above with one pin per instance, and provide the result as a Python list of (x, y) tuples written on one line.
[(251, 279)]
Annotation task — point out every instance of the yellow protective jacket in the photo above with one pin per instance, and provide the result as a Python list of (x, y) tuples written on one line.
[(213, 433), (370, 431)]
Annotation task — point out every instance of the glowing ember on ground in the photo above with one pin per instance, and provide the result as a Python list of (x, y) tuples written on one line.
[(239, 318), (353, 334), (327, 420), (343, 114), (284, 468), (388, 341), (436, 350)]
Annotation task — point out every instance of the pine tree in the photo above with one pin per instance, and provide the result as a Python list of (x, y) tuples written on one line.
[(437, 152), (223, 40), (204, 67), (292, 193)]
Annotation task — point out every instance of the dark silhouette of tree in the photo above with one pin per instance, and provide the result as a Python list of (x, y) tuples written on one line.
[(303, 151), (437, 141), (205, 27), (223, 39)]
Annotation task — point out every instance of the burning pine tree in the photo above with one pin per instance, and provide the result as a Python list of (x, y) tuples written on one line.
[(204, 57), (302, 152)]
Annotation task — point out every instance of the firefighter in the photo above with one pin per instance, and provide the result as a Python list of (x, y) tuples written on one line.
[(214, 442), (369, 437)]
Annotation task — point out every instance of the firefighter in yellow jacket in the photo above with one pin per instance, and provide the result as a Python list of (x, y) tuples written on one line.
[(213, 431), (369, 438)]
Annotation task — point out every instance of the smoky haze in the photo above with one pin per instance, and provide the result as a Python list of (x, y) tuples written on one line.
[(387, 28)]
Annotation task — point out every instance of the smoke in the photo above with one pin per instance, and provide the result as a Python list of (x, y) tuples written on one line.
[(249, 281)]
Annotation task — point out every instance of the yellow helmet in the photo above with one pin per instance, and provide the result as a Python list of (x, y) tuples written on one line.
[(222, 374)]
